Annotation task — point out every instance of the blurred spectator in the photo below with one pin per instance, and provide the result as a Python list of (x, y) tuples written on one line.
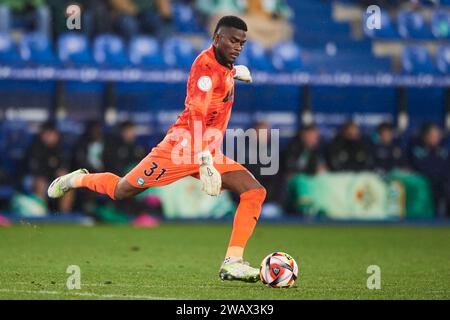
[(5, 181), (89, 154), (263, 146), (4, 178), (46, 162), (348, 151), (22, 5), (132, 17), (224, 7), (121, 152), (95, 16), (31, 15), (388, 155), (303, 154), (266, 20), (89, 151), (429, 157)]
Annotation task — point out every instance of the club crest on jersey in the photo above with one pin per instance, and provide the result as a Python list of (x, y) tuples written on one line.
[(204, 83), (140, 181)]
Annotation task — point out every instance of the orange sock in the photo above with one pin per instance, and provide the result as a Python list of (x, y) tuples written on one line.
[(104, 183), (246, 217)]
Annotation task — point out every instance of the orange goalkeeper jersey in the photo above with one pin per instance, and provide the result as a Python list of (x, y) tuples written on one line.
[(210, 95)]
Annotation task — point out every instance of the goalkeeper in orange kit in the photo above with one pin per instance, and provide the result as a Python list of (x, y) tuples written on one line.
[(190, 148)]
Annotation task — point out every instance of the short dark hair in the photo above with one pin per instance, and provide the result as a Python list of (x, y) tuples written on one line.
[(231, 21), (385, 126), (427, 127), (308, 127), (126, 125), (48, 126)]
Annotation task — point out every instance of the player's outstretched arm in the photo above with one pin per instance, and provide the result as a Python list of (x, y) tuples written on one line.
[(209, 176)]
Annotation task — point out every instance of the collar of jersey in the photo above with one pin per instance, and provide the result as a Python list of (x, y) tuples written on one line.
[(210, 53)]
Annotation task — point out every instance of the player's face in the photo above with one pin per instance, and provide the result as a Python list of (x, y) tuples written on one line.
[(434, 137), (229, 43)]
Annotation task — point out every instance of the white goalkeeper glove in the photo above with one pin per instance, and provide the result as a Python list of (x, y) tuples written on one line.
[(242, 73), (209, 176)]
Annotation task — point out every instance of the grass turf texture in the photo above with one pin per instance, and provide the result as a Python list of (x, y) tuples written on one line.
[(182, 262)]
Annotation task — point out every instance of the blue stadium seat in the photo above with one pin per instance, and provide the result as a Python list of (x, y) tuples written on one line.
[(8, 51), (109, 50), (319, 61), (83, 101), (286, 56), (178, 53), (141, 102), (185, 19), (36, 48), (73, 48), (255, 56), (313, 31), (440, 24), (387, 30), (353, 46), (145, 51), (417, 60), (411, 24), (303, 9), (443, 59), (25, 94)]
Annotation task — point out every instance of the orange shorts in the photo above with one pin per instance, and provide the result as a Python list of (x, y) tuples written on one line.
[(157, 169)]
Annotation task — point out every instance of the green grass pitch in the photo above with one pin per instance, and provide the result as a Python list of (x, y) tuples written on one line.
[(181, 261)]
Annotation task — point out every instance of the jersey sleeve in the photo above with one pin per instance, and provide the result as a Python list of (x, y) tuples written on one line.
[(201, 83)]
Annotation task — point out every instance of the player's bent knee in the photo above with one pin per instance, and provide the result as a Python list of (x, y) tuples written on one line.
[(256, 195), (262, 192)]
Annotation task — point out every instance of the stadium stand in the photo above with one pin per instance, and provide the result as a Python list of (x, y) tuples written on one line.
[(411, 24), (36, 48), (414, 46), (109, 51), (416, 60), (145, 52)]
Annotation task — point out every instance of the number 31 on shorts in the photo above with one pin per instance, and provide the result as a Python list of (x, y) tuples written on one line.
[(152, 170)]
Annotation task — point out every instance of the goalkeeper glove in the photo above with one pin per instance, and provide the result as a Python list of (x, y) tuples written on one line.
[(242, 73), (209, 176)]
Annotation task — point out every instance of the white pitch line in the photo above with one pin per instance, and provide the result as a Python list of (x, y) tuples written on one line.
[(123, 285), (85, 294)]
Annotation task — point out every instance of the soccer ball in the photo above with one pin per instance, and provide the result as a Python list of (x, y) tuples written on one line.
[(278, 270)]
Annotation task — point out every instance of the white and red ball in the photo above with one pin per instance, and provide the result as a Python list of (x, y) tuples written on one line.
[(278, 270)]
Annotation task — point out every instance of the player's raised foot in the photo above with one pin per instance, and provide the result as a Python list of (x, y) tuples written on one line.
[(239, 270), (61, 185)]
